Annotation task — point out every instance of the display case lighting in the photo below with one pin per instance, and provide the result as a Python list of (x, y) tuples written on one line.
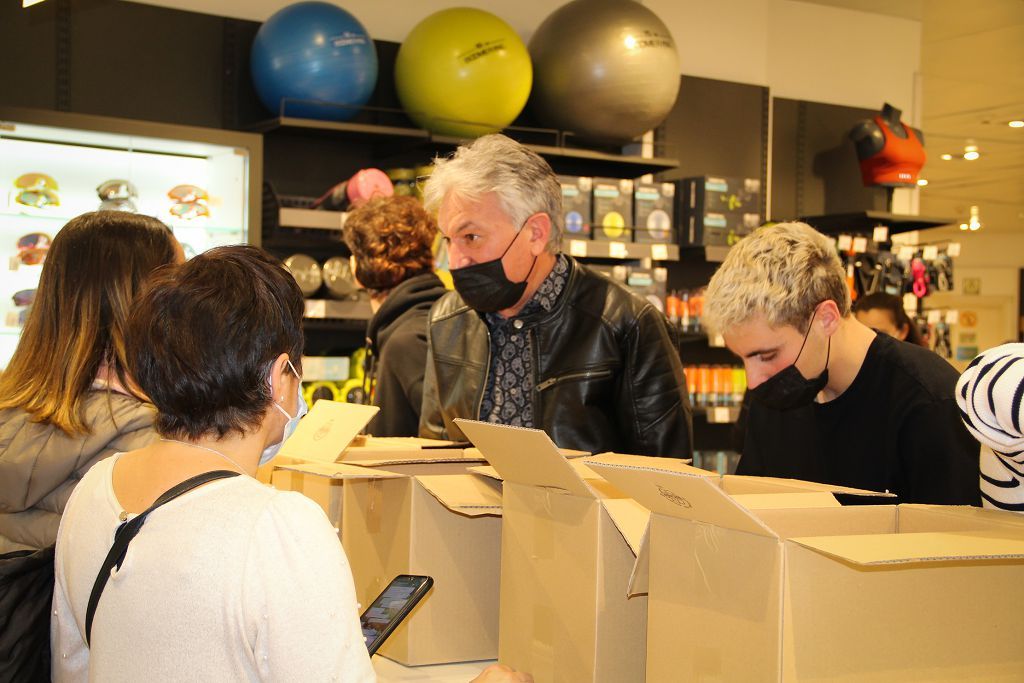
[(29, 3), (946, 157), (1016, 123)]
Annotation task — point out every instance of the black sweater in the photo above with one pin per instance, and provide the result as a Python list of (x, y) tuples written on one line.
[(396, 340), (897, 428)]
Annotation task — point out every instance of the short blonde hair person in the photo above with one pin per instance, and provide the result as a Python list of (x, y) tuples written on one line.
[(522, 180), (780, 272)]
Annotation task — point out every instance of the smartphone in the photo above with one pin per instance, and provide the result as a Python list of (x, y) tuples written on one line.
[(393, 605)]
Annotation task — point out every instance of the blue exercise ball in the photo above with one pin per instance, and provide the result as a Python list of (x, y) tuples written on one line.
[(313, 60)]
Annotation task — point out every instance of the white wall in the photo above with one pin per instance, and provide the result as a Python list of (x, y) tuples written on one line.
[(800, 50)]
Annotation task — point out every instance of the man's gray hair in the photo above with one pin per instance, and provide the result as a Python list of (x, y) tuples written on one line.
[(522, 180)]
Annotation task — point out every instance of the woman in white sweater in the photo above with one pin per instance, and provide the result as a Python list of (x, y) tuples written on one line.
[(233, 580)]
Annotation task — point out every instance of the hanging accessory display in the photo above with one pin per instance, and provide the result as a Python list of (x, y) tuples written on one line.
[(920, 278)]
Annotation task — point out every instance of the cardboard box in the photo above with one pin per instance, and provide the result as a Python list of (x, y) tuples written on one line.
[(613, 209), (577, 197), (749, 587), (567, 550), (654, 211), (717, 211), (326, 449), (447, 526)]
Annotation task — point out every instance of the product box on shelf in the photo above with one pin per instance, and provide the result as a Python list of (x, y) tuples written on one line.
[(650, 284), (567, 550), (717, 211), (654, 212), (613, 209), (787, 588), (577, 195)]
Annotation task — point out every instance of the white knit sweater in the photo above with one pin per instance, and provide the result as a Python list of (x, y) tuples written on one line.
[(233, 581)]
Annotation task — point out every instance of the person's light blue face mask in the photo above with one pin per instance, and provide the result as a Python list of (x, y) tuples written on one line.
[(293, 420)]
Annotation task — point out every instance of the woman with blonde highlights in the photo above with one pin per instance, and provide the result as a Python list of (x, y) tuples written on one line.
[(66, 401)]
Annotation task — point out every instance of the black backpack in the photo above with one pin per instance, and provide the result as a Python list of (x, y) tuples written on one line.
[(26, 592)]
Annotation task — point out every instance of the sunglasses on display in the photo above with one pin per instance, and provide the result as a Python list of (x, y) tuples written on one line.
[(35, 181), (34, 240), (189, 210), (37, 199), (187, 194), (32, 257), (24, 298), (112, 190)]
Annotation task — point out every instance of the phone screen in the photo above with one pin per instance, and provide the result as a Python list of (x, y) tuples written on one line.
[(391, 607)]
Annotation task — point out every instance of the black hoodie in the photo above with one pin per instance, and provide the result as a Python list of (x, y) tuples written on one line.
[(396, 345)]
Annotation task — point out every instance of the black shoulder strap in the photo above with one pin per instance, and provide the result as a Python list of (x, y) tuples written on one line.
[(128, 530)]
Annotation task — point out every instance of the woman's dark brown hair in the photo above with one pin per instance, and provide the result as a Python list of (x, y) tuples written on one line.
[(893, 305), (391, 239), (93, 271), (203, 337)]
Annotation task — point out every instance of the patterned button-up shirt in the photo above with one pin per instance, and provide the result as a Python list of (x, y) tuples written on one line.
[(507, 396)]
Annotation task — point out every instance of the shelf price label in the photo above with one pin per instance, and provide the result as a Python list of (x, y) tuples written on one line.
[(860, 244), (720, 415), (659, 252), (906, 253), (617, 249), (952, 317), (578, 248), (844, 242), (316, 308), (953, 249), (931, 253), (881, 234)]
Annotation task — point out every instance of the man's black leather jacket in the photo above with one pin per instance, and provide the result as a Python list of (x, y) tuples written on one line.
[(607, 374)]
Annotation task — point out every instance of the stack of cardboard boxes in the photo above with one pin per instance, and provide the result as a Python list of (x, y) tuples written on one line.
[(625, 568)]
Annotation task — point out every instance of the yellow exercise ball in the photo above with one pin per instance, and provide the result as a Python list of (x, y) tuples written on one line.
[(463, 72)]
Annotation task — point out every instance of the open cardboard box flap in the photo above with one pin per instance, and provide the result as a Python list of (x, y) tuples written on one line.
[(630, 518), (526, 456), (378, 457), (676, 493), (800, 485), (667, 464), (882, 549), (467, 495), (640, 576), (335, 470), (328, 429)]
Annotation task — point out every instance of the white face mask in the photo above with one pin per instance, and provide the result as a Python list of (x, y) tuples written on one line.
[(293, 420)]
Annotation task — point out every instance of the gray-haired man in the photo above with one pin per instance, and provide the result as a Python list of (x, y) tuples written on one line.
[(532, 338)]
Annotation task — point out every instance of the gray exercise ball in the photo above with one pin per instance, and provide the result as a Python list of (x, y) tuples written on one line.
[(607, 70)]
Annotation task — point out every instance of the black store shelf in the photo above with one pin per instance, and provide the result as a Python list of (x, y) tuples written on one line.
[(564, 158), (863, 222)]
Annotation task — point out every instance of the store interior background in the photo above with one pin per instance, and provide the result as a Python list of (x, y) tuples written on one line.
[(956, 69)]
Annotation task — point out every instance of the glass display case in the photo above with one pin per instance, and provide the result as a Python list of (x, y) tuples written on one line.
[(203, 183)]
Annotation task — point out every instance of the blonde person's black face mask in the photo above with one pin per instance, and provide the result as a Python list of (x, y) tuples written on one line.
[(485, 287), (788, 389)]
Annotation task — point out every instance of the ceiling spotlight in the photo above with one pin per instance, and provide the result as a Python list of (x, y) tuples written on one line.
[(963, 226), (946, 157), (971, 152), (921, 182), (975, 222), (1017, 123)]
